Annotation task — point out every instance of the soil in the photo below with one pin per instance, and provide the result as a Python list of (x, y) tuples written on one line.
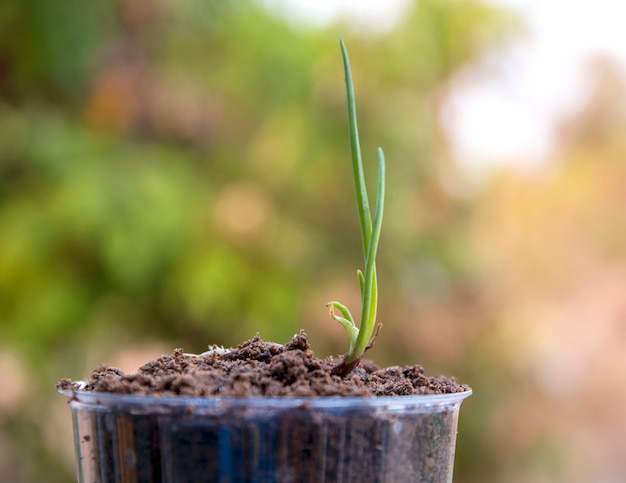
[(260, 368)]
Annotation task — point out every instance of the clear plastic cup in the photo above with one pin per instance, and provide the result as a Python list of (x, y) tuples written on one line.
[(128, 439)]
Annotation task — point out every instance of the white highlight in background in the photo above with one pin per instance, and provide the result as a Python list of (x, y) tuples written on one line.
[(505, 111)]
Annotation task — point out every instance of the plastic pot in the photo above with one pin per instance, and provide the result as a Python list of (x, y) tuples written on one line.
[(128, 439)]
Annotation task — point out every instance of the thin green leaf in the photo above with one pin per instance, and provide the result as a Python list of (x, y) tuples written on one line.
[(370, 297), (357, 163), (347, 321), (342, 308)]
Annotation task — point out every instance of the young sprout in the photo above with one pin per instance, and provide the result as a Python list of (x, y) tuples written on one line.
[(361, 337)]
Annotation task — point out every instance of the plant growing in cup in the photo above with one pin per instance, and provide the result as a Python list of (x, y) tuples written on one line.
[(273, 412)]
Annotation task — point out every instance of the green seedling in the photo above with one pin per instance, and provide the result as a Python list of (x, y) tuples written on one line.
[(363, 336)]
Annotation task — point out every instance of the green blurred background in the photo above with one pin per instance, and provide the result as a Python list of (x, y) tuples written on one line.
[(177, 174)]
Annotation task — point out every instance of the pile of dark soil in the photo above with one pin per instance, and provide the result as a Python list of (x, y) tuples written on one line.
[(259, 368)]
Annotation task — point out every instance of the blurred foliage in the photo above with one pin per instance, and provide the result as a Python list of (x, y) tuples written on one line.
[(179, 169), (177, 174)]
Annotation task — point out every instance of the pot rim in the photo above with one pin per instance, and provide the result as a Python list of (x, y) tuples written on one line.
[(79, 395)]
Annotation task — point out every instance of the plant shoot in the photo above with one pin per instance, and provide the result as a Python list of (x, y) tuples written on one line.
[(363, 335)]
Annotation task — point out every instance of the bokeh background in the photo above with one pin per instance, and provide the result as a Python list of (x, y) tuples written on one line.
[(177, 174)]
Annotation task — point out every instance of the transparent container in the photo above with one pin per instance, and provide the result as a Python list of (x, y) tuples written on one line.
[(128, 439)]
